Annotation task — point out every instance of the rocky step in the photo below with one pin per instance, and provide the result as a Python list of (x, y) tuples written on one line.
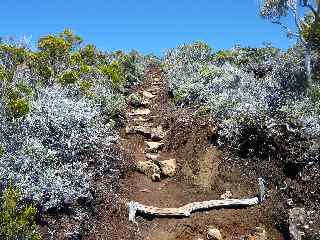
[(157, 84), (153, 90), (140, 112), (141, 119), (152, 157), (157, 169), (148, 95), (155, 134), (153, 146)]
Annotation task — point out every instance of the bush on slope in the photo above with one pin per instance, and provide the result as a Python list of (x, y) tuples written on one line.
[(58, 110)]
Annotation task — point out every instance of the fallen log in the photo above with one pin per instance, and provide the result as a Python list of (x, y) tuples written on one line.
[(186, 210)]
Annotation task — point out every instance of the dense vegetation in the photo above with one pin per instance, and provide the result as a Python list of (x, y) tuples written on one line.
[(247, 88), (59, 106), (265, 112)]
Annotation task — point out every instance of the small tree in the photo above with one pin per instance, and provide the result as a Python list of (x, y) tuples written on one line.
[(307, 24)]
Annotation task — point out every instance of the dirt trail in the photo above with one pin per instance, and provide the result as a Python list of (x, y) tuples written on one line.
[(201, 175), (200, 172)]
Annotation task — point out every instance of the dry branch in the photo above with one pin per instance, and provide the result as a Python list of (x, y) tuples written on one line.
[(186, 210)]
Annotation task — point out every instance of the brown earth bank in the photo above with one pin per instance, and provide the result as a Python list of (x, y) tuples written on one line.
[(204, 172)]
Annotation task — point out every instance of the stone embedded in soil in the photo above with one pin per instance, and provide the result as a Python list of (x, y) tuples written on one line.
[(258, 233), (153, 90), (147, 94), (146, 131), (145, 190), (156, 177), (157, 134), (168, 167), (226, 195), (297, 218), (140, 112), (152, 157), (147, 167), (141, 119), (145, 102), (157, 84), (153, 146), (213, 233)]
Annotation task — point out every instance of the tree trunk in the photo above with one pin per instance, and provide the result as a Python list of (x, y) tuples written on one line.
[(307, 65)]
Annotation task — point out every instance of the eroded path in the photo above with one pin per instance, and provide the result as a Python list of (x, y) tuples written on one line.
[(156, 131)]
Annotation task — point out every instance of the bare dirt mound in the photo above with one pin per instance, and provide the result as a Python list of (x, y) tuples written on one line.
[(201, 175)]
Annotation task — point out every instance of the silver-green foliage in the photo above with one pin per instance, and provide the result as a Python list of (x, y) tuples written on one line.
[(48, 154), (237, 97)]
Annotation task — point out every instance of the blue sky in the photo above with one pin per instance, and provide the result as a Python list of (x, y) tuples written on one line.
[(145, 25)]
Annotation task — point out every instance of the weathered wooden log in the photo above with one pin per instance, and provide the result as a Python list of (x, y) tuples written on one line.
[(186, 210)]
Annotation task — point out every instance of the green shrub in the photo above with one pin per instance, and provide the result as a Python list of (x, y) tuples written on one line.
[(12, 56), (18, 107), (45, 72), (113, 71), (70, 37), (203, 110), (179, 96), (16, 222), (76, 58), (210, 72), (112, 107), (2, 150), (3, 74), (55, 51), (315, 94), (88, 54), (39, 64), (86, 85), (25, 89), (85, 68), (70, 77), (57, 47), (135, 100), (224, 55)]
